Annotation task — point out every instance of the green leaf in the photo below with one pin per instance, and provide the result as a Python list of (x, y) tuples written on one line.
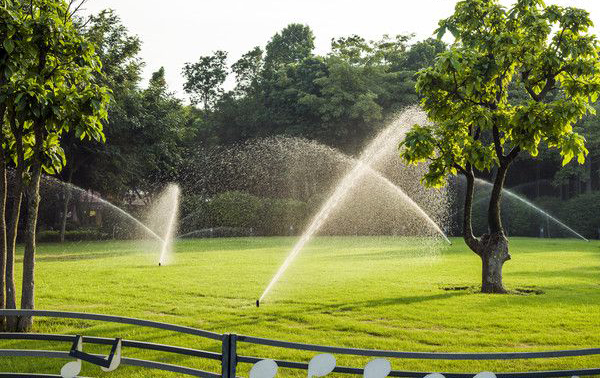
[(9, 45), (440, 32)]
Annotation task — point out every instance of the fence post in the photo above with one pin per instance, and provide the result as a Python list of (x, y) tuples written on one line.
[(232, 355), (228, 355), (225, 356)]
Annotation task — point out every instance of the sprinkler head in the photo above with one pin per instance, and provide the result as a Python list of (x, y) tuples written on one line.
[(258, 303)]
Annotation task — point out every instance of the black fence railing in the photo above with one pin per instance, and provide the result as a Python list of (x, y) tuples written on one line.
[(230, 359)]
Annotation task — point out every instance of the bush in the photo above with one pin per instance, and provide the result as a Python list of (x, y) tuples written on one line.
[(195, 214), (582, 213), (281, 216), (241, 211), (235, 209), (78, 235)]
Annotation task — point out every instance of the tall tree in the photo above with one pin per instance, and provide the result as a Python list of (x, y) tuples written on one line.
[(544, 50), (205, 78), (247, 72), (292, 45), (16, 139), (55, 90)]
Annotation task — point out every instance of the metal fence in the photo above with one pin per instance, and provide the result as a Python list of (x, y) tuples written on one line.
[(230, 359)]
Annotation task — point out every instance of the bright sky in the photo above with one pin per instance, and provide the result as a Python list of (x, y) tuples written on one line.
[(178, 31)]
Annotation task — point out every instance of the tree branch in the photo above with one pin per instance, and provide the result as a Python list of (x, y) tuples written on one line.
[(498, 144), (470, 239)]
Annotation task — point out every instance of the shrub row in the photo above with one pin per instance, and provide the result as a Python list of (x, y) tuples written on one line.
[(239, 210), (76, 235)]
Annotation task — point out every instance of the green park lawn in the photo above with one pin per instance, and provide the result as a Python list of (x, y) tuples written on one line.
[(363, 292)]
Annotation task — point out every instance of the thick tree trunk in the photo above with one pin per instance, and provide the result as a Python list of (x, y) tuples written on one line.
[(494, 253), (492, 247), (63, 221), (33, 204)]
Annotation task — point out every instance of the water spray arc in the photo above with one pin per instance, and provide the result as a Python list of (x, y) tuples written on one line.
[(534, 207), (165, 209), (387, 140), (146, 229)]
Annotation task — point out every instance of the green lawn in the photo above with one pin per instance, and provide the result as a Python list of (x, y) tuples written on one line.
[(366, 292)]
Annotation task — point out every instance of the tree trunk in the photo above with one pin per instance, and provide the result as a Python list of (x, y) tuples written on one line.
[(33, 203), (63, 221), (494, 213), (494, 253), (3, 244), (589, 175), (492, 247), (11, 292), (468, 236)]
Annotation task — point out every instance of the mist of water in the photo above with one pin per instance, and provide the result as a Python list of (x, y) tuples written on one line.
[(385, 143)]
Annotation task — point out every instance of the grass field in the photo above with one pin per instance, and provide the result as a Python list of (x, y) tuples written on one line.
[(365, 292)]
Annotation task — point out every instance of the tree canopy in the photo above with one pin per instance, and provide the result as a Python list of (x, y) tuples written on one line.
[(546, 51)]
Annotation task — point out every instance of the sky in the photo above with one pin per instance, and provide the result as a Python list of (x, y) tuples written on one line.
[(175, 32)]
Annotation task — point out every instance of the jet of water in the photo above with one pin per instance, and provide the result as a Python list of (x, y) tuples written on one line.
[(163, 216), (534, 207), (379, 148), (56, 182)]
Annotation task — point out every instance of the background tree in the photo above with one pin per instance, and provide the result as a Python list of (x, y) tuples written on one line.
[(121, 68), (543, 49), (204, 79), (247, 71), (292, 45)]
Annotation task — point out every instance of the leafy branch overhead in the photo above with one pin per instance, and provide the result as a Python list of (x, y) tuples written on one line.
[(545, 51), (49, 79)]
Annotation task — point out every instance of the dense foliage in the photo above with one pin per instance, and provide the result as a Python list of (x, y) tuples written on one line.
[(340, 99)]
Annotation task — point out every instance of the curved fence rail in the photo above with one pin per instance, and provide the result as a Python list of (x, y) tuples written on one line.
[(229, 358)]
